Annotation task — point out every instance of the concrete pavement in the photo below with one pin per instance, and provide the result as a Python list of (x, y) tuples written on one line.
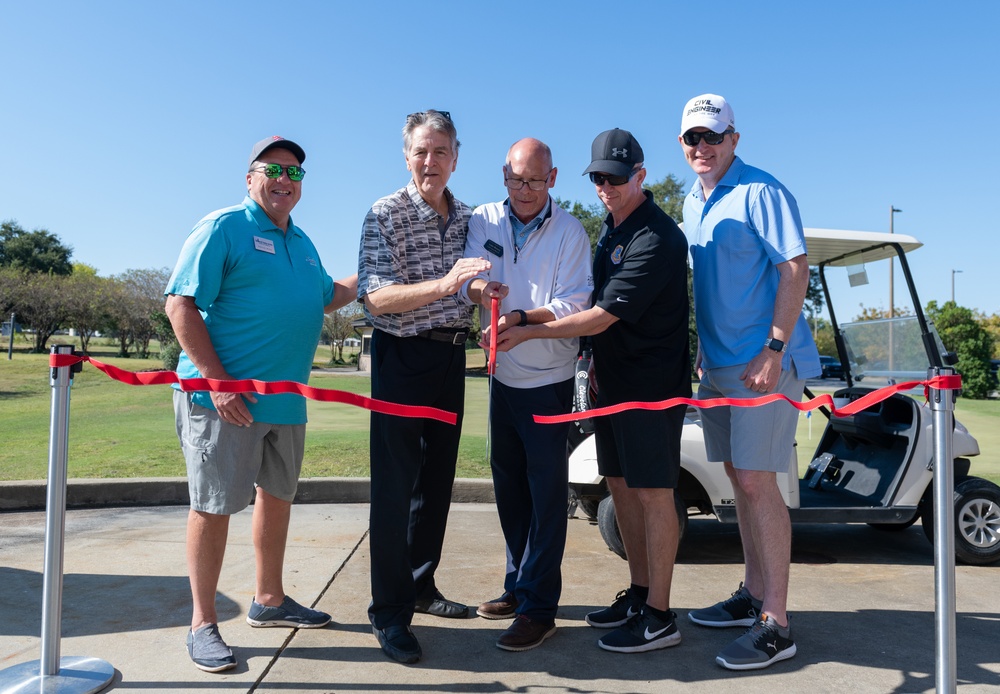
[(862, 604)]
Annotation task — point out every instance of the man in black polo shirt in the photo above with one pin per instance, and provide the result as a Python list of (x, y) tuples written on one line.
[(639, 322)]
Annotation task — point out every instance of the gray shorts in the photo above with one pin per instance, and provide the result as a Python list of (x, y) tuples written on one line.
[(751, 438), (225, 462)]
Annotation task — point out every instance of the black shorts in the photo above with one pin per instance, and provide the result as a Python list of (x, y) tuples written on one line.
[(642, 446)]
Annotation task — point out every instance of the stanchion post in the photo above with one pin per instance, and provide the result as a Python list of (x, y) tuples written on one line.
[(942, 404), (70, 675)]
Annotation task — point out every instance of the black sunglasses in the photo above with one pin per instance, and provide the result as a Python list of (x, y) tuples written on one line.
[(691, 138), (295, 173), (422, 114), (598, 179)]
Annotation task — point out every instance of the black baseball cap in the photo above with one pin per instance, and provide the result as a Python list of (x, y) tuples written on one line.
[(614, 152), (276, 141)]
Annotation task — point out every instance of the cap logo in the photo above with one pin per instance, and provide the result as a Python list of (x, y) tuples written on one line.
[(276, 137), (616, 151), (703, 106)]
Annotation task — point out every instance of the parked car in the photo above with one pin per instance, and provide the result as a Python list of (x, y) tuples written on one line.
[(832, 368), (873, 467)]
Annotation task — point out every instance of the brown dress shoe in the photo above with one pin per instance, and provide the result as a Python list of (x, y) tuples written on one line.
[(500, 608), (525, 633)]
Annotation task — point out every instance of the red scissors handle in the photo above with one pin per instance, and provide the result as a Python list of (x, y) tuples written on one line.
[(491, 366)]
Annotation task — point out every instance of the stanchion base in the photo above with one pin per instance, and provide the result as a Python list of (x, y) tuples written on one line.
[(77, 675)]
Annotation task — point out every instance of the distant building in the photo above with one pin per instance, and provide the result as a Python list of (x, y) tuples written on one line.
[(364, 326)]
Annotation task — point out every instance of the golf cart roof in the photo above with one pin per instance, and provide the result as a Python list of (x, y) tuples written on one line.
[(841, 248)]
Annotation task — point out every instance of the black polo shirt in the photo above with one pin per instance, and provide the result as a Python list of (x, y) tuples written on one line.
[(640, 277)]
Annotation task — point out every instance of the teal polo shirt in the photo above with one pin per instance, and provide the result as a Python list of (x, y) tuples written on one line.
[(738, 237), (261, 292)]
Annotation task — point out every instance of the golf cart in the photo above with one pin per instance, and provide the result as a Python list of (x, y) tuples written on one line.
[(872, 467)]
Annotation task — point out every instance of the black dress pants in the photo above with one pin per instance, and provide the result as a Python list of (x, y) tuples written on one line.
[(412, 470)]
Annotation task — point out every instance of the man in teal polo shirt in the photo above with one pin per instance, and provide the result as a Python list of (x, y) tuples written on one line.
[(748, 252), (246, 300)]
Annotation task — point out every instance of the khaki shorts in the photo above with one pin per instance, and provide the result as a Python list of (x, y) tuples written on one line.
[(225, 462), (751, 438)]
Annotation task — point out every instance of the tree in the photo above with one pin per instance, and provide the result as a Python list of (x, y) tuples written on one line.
[(43, 302), (337, 327), (33, 251), (669, 195), (89, 297), (962, 333), (135, 297), (991, 324)]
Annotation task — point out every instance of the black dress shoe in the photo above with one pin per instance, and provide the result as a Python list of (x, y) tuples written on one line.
[(399, 643), (439, 606)]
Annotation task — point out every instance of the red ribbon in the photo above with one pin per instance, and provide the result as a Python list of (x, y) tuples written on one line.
[(246, 385), (862, 403)]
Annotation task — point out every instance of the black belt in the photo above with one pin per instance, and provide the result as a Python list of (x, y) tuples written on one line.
[(450, 335)]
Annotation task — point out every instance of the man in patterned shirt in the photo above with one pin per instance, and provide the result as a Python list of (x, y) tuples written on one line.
[(410, 269)]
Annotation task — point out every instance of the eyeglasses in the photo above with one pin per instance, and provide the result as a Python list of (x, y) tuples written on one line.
[(533, 184), (691, 138), (598, 179), (295, 173), (421, 115)]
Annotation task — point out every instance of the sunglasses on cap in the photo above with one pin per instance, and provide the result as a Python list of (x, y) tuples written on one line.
[(295, 173), (598, 179), (691, 138)]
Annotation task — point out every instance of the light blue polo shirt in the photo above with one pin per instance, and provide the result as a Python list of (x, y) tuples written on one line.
[(261, 292), (737, 237)]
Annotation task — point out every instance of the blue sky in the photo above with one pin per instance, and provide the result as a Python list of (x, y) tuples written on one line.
[(126, 122)]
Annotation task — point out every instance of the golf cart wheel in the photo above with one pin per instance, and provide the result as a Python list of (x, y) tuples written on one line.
[(608, 525), (607, 522), (977, 521)]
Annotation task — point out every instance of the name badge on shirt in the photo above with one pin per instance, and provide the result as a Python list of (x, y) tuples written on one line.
[(494, 248), (266, 245)]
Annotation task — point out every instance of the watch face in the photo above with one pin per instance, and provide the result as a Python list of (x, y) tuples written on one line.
[(776, 344)]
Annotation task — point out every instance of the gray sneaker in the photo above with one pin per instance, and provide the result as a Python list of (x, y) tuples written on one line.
[(764, 643), (208, 651), (288, 614), (740, 610)]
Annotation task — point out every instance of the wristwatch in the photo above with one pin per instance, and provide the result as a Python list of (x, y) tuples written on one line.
[(523, 317), (775, 344)]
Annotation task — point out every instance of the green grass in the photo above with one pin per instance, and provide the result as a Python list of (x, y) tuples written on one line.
[(128, 431)]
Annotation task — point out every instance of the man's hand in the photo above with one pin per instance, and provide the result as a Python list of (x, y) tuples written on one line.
[(232, 409), (763, 372), (511, 336), (465, 269), (493, 290)]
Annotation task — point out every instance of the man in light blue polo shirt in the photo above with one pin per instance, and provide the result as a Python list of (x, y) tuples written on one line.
[(246, 300), (750, 279)]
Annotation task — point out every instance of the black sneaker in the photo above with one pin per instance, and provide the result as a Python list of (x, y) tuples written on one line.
[(643, 633), (626, 606), (740, 610), (764, 643)]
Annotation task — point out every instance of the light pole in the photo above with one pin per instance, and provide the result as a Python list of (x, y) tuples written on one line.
[(953, 273), (892, 309)]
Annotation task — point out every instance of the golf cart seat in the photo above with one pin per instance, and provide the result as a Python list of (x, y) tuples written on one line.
[(864, 454), (878, 425)]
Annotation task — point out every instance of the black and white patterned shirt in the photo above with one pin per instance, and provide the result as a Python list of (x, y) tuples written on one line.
[(401, 243)]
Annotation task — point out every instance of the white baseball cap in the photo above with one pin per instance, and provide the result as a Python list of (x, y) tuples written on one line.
[(708, 111)]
